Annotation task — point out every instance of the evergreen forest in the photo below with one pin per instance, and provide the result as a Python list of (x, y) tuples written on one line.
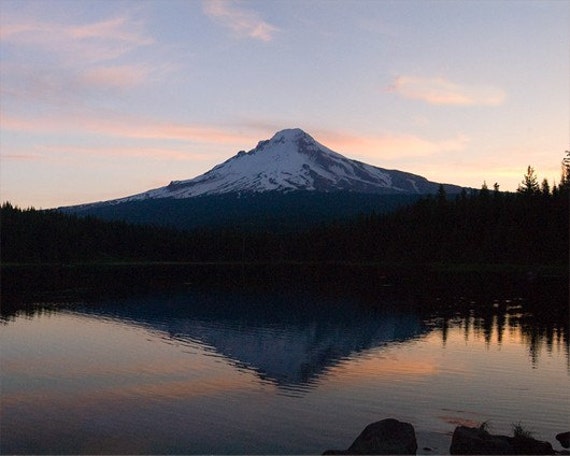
[(486, 226)]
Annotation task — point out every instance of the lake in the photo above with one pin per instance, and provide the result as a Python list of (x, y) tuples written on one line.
[(234, 361)]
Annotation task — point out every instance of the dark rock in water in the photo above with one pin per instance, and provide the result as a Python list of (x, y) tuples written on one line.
[(528, 445), (387, 436), (564, 439), (468, 440)]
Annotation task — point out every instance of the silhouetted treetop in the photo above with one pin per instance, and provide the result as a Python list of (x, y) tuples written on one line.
[(529, 184)]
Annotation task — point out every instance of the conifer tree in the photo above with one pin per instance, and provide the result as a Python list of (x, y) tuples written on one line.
[(529, 184), (484, 192), (545, 187), (565, 178)]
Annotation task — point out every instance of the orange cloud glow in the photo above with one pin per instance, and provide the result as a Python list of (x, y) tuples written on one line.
[(120, 76), (126, 127), (46, 152), (440, 91), (391, 145), (387, 146)]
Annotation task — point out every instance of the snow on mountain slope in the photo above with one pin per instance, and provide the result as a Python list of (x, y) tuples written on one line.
[(291, 161)]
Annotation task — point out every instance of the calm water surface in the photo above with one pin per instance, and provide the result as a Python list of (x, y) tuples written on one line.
[(241, 371)]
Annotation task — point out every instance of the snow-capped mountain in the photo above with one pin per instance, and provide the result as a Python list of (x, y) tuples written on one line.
[(286, 182), (292, 161)]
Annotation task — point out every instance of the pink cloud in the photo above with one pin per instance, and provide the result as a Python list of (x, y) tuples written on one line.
[(93, 42), (10, 30), (70, 87), (119, 76), (42, 152), (124, 127), (389, 146), (78, 61), (21, 157), (119, 29), (440, 91), (241, 21)]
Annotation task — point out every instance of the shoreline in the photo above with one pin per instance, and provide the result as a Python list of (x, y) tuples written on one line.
[(438, 443)]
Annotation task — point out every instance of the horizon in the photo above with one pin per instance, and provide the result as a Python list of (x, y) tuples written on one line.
[(104, 100)]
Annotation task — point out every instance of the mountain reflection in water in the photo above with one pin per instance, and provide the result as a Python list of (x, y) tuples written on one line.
[(291, 337), (210, 369), (288, 340)]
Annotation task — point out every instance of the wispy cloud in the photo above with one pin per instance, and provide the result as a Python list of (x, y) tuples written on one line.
[(61, 86), (63, 64), (241, 21), (127, 127), (118, 76), (82, 152), (390, 146), (119, 29), (92, 42), (371, 148), (21, 156), (441, 91)]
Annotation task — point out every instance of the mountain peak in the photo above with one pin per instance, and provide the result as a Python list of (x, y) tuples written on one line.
[(292, 160), (290, 134), (294, 139)]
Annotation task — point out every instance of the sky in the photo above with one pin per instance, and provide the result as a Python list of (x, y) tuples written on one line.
[(101, 99)]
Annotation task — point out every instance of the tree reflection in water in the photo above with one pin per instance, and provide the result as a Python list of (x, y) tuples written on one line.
[(341, 301)]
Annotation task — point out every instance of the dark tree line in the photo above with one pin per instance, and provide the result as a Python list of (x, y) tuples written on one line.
[(530, 226), (484, 226), (33, 236), (480, 227)]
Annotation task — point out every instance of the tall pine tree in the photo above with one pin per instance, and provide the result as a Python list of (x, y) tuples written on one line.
[(529, 184)]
